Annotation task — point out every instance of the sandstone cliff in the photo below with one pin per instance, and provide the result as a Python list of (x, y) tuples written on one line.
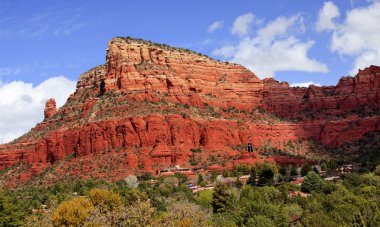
[(150, 106)]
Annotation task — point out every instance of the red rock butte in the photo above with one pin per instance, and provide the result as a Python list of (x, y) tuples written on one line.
[(152, 106)]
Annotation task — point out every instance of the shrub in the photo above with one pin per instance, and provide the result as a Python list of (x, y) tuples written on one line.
[(131, 181), (186, 214), (205, 198), (377, 171), (196, 150), (184, 115), (140, 214), (193, 162)]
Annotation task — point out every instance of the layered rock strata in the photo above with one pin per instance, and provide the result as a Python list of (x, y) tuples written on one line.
[(159, 104)]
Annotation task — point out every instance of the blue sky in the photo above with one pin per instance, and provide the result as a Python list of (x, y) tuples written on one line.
[(50, 43)]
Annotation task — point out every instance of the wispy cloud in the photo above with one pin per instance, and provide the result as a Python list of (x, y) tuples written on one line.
[(7, 71), (51, 21), (215, 26), (242, 24), (31, 68)]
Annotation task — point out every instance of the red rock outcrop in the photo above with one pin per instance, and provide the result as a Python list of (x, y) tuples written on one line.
[(351, 93), (50, 108), (161, 106)]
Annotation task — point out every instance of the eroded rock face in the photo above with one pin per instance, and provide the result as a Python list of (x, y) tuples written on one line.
[(145, 70), (50, 108), (351, 93), (158, 105)]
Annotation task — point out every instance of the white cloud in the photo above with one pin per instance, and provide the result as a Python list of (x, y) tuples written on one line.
[(242, 24), (55, 21), (22, 104), (215, 26), (274, 48), (326, 16), (279, 27), (304, 84), (358, 36), (9, 71), (365, 59)]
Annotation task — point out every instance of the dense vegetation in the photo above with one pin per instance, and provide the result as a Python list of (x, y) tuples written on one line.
[(364, 151), (353, 200)]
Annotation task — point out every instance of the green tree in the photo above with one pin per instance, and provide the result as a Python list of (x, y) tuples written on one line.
[(12, 212), (226, 173), (223, 219), (283, 171), (332, 165), (146, 176), (293, 171), (220, 198), (305, 169), (182, 178), (260, 221), (200, 179), (214, 175), (313, 182), (324, 166), (252, 177), (315, 219), (266, 176)]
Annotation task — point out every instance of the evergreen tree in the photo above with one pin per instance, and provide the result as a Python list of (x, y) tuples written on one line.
[(214, 175), (305, 169), (266, 176), (220, 198), (252, 177), (200, 179), (293, 171), (313, 182), (324, 166), (283, 171)]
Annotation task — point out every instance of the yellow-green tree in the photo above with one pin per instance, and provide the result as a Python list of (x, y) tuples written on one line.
[(72, 212), (104, 200)]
